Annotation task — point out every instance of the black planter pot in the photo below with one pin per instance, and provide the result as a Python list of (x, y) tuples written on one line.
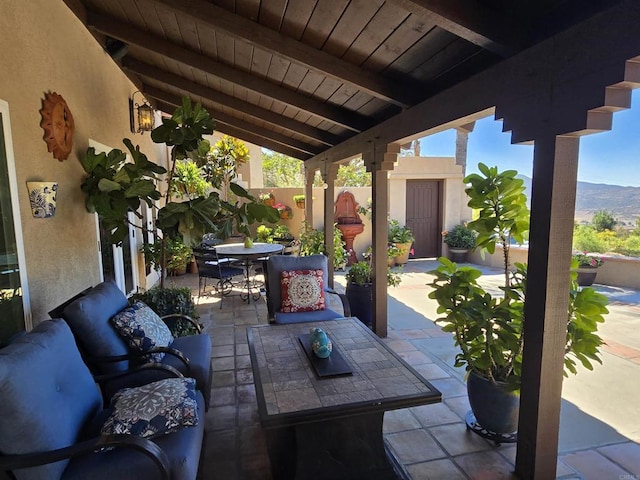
[(586, 276), (458, 255), (361, 302), (494, 408)]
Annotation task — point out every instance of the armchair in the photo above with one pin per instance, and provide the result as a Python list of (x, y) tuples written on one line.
[(51, 416), (105, 351), (337, 305)]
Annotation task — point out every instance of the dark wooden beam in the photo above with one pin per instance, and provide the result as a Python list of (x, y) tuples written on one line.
[(135, 36), (264, 38), (467, 19), (151, 72), (246, 136), (222, 117)]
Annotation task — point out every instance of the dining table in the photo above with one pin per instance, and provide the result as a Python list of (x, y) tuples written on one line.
[(259, 251)]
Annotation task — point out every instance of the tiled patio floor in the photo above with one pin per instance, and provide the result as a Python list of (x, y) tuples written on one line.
[(430, 442)]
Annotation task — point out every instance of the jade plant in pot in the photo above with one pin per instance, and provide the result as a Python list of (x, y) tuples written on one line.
[(489, 329)]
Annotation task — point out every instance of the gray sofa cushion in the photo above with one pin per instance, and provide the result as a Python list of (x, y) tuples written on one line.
[(49, 410), (89, 317)]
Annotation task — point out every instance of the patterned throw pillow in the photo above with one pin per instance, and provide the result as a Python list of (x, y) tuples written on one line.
[(143, 329), (153, 409), (302, 290)]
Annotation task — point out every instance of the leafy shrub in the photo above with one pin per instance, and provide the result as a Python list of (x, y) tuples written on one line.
[(585, 239), (632, 246), (460, 236), (167, 301), (603, 220)]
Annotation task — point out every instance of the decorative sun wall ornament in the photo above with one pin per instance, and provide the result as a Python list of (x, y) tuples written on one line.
[(58, 125)]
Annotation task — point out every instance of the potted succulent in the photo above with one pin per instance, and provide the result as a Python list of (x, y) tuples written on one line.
[(587, 267), (403, 238), (360, 287), (460, 239), (300, 201), (489, 329)]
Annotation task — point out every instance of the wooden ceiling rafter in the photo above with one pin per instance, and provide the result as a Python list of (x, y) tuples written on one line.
[(468, 20), (296, 51), (132, 35), (149, 71), (164, 97)]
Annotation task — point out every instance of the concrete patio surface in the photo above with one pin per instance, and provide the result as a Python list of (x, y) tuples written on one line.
[(600, 417)]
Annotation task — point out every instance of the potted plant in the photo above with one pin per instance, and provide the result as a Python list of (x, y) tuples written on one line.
[(489, 329), (587, 267), (360, 287), (403, 238), (460, 239), (285, 211), (300, 201), (312, 242), (178, 255), (267, 199), (171, 301)]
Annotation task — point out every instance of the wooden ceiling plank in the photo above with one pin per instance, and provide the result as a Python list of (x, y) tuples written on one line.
[(220, 116), (355, 18), (296, 17), (280, 45), (322, 21), (128, 34), (467, 19), (152, 72), (247, 136), (271, 13)]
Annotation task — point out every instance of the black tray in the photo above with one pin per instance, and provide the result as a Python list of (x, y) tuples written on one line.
[(333, 366)]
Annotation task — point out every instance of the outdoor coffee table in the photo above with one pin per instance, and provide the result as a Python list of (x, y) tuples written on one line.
[(330, 427)]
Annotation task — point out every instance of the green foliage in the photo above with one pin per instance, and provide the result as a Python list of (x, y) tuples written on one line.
[(178, 254), (490, 331), (353, 174), (603, 220), (587, 260), (312, 242), (220, 164), (188, 181), (460, 236), (361, 273), (280, 170), (502, 209), (585, 239), (632, 245), (281, 231), (114, 187), (299, 198), (190, 219), (399, 233), (264, 234), (169, 301)]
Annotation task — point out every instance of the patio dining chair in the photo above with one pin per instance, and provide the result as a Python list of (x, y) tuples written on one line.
[(220, 269)]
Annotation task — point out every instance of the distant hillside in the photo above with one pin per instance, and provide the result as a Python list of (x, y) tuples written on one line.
[(624, 202)]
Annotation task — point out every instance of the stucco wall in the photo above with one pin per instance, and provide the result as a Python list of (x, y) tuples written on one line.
[(51, 51)]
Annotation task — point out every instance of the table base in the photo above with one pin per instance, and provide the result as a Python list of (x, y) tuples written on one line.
[(350, 447)]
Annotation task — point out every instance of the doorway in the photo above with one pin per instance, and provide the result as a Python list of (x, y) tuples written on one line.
[(424, 216), (14, 310)]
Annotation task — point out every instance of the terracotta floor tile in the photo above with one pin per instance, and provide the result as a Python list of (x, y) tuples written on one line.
[(620, 350), (456, 440), (487, 465), (414, 446), (626, 455), (594, 466), (431, 371), (415, 358), (434, 470), (400, 345), (433, 415), (459, 405), (399, 421)]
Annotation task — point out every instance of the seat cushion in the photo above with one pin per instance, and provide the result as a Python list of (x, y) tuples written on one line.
[(182, 447), (142, 329), (154, 409), (302, 291), (47, 394), (89, 319), (197, 348)]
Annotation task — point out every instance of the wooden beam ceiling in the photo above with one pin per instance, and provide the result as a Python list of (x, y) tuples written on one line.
[(224, 118), (151, 72), (133, 36), (280, 45), (467, 19)]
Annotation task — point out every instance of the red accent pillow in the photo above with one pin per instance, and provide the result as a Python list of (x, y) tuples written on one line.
[(302, 290)]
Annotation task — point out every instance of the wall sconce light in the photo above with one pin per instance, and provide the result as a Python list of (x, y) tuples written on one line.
[(140, 115), (42, 197)]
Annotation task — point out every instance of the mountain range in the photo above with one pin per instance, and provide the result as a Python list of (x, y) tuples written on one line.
[(623, 202)]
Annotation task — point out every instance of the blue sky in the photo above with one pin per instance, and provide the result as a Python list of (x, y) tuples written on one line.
[(611, 157)]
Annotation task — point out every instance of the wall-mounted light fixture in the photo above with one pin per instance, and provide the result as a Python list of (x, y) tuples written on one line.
[(140, 115)]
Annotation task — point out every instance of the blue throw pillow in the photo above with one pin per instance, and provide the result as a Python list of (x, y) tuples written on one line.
[(154, 409), (143, 329)]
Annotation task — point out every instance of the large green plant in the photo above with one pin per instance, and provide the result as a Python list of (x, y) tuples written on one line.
[(312, 242), (490, 329)]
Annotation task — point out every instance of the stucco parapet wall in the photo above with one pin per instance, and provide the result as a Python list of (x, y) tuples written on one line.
[(418, 165), (617, 271)]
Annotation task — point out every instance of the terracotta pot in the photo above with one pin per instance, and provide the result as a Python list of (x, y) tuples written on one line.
[(405, 248), (300, 204), (269, 202)]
